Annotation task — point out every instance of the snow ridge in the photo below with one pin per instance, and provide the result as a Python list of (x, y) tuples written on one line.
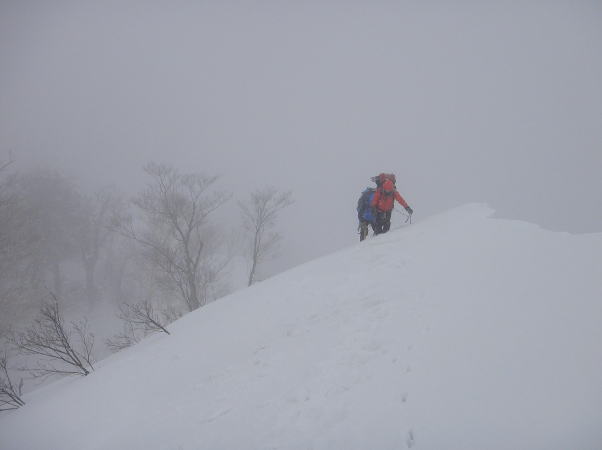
[(459, 332)]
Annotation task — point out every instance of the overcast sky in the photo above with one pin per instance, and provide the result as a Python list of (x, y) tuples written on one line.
[(499, 102)]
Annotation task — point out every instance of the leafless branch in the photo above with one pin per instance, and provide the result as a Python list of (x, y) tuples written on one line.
[(170, 314), (174, 210), (259, 217), (142, 316), (53, 343), (86, 340), (10, 395), (126, 338), (140, 319), (5, 164)]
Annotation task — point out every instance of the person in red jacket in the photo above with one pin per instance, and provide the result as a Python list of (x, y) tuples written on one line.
[(383, 202)]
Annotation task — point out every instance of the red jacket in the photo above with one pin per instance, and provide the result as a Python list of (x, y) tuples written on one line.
[(383, 202)]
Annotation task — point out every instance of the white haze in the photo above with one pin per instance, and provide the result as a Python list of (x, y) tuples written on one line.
[(466, 101)]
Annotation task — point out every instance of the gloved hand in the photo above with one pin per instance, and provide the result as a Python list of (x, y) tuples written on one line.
[(409, 210)]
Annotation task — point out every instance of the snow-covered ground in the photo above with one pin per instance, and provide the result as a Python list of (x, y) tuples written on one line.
[(458, 332)]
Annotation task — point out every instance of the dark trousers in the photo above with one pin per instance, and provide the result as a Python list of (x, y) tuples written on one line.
[(364, 229), (383, 222)]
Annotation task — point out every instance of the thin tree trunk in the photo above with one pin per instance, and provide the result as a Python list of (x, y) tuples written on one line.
[(255, 257), (252, 272), (193, 301), (90, 283)]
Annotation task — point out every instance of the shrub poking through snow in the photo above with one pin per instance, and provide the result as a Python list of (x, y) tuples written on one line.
[(59, 349), (139, 320), (142, 315), (124, 339), (10, 394)]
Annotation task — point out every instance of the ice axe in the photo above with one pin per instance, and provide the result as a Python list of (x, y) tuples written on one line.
[(408, 216)]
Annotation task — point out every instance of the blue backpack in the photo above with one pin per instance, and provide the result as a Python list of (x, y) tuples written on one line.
[(364, 210)]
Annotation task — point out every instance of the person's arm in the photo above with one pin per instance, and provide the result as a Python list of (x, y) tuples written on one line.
[(400, 199)]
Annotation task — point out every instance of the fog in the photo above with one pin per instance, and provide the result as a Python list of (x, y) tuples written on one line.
[(498, 102)]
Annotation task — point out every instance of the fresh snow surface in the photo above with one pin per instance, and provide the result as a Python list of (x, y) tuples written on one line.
[(458, 332)]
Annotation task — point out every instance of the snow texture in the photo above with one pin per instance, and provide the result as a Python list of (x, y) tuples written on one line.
[(458, 332)]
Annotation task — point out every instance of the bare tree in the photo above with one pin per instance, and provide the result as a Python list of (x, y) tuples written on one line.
[(140, 319), (142, 315), (120, 264), (170, 314), (54, 211), (18, 247), (259, 219), (5, 164), (94, 232), (175, 208), (10, 219), (60, 350), (124, 339), (10, 394)]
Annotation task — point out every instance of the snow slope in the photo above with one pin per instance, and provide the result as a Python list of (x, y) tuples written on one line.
[(459, 332)]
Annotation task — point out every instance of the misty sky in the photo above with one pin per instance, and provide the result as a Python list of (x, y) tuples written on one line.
[(498, 102)]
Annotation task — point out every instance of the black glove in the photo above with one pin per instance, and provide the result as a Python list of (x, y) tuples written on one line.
[(409, 210)]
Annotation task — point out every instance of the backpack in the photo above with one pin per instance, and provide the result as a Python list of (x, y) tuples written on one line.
[(382, 177), (364, 210)]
